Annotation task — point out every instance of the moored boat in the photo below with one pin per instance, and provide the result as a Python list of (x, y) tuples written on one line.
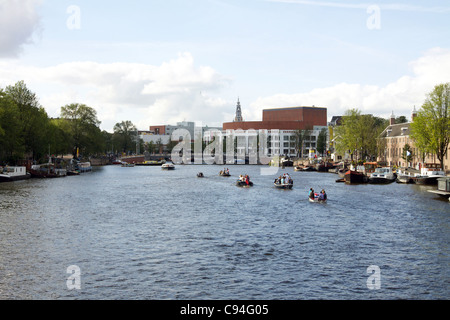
[(150, 163), (48, 170), (443, 188), (352, 176), (429, 174), (382, 175), (407, 175), (9, 174), (126, 164)]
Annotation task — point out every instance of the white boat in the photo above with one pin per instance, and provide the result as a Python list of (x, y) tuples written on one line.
[(168, 166), (382, 175), (429, 174), (8, 174), (407, 175)]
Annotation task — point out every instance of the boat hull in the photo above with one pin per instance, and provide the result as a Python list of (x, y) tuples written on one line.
[(429, 181), (380, 180), (352, 177), (243, 184), (283, 186), (5, 178)]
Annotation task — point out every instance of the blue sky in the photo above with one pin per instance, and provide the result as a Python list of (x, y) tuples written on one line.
[(158, 62)]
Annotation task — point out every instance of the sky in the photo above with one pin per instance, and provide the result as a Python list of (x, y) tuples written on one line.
[(158, 62)]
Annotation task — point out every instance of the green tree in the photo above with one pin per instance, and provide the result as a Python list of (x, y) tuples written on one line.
[(11, 142), (33, 119), (431, 127), (300, 137), (124, 137), (83, 126), (322, 141), (359, 134), (407, 154)]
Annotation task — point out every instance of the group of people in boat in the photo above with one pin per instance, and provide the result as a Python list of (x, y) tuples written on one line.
[(284, 179), (245, 179), (225, 172), (321, 197)]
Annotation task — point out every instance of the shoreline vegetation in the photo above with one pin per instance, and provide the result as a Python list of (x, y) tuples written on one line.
[(29, 136)]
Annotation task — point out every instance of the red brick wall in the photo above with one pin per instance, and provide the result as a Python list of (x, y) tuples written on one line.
[(284, 119), (162, 129)]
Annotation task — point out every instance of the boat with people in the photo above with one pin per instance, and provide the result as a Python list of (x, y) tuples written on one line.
[(315, 197), (382, 175), (429, 174), (126, 164), (225, 173), (168, 166), (284, 182), (9, 174), (244, 181)]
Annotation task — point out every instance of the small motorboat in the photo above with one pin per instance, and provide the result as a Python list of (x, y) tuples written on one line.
[(129, 165), (283, 185), (244, 184), (317, 199), (224, 174), (168, 166)]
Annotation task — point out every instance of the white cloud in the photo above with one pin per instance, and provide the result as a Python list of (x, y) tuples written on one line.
[(175, 91), (19, 22), (399, 96)]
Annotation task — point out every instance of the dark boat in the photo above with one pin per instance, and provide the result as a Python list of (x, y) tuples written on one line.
[(48, 170), (244, 184), (351, 177), (224, 174)]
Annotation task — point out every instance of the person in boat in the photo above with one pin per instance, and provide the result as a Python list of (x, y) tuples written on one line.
[(311, 193), (322, 196), (247, 179)]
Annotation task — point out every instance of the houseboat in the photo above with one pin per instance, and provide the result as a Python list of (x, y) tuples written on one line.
[(47, 170), (9, 174), (429, 174)]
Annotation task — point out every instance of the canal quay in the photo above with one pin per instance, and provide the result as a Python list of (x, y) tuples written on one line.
[(146, 233)]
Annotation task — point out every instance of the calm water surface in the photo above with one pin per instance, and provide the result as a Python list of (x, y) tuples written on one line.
[(144, 233)]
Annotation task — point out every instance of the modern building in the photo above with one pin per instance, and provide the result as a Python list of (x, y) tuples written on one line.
[(284, 126)]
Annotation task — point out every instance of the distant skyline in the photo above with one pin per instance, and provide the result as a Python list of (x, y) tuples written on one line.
[(162, 62)]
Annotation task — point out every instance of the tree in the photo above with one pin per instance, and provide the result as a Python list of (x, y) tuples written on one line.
[(33, 119), (407, 153), (82, 124), (359, 134), (322, 141), (125, 135), (11, 142), (431, 127), (300, 137)]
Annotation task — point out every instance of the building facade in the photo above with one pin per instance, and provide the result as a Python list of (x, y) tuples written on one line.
[(283, 126), (396, 143)]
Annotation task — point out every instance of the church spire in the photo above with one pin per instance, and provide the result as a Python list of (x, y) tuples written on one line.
[(238, 117)]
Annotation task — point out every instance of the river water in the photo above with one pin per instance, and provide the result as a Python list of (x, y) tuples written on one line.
[(144, 233)]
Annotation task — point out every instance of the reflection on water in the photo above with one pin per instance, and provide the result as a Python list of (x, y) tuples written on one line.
[(144, 233)]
